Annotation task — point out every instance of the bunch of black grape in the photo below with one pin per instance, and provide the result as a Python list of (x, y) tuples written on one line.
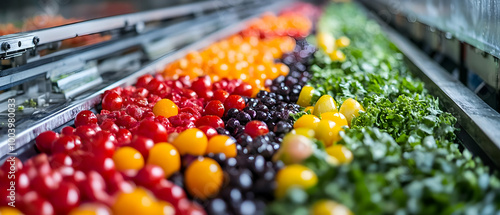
[(251, 174)]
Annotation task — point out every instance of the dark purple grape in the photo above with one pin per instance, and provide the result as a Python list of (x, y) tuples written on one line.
[(243, 117), (222, 131), (217, 207)]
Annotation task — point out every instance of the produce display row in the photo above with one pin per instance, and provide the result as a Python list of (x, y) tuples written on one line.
[(272, 120)]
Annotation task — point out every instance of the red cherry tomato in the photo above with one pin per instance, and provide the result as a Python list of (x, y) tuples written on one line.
[(256, 128), (144, 80), (210, 120), (234, 101), (157, 87), (13, 164), (85, 132), (220, 95), (103, 144), (94, 188), (153, 130), (109, 125), (66, 144), (142, 144), (169, 192), (85, 117), (123, 136), (45, 140), (68, 130), (65, 198), (244, 90), (208, 130), (112, 101), (149, 175), (35, 204), (202, 85), (44, 184), (59, 160), (214, 107)]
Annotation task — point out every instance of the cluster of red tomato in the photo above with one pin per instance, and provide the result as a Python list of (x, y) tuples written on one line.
[(118, 161)]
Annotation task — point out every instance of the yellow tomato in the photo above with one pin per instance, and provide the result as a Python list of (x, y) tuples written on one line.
[(350, 108), (325, 103), (126, 158), (294, 175), (340, 152), (191, 141), (337, 117), (328, 132), (222, 144), (166, 108), (139, 201), (165, 156), (307, 121), (305, 96), (329, 207)]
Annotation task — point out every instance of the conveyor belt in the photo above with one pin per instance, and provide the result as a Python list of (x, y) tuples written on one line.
[(477, 118), (30, 129)]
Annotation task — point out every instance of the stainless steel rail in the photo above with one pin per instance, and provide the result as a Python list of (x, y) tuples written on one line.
[(11, 44), (68, 113), (478, 119)]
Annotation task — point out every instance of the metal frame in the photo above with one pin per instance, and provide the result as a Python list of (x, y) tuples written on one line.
[(478, 119), (68, 113), (9, 43)]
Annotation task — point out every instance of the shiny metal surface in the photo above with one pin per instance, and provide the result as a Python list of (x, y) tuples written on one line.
[(478, 119), (29, 129)]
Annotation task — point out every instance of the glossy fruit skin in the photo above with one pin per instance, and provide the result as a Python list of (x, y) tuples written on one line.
[(294, 175), (210, 120), (307, 121), (191, 141), (234, 101), (329, 207), (142, 144), (65, 144), (328, 132), (85, 132), (91, 209), (36, 204), (138, 201), (305, 96), (222, 144), (109, 125), (306, 132), (256, 128), (112, 101), (336, 117), (165, 156), (45, 140), (340, 152), (220, 95), (123, 136), (149, 175), (326, 41), (68, 130), (342, 42), (144, 80), (350, 109), (7, 210), (153, 130), (166, 108), (295, 148), (85, 117), (309, 108), (65, 197), (209, 131), (169, 192), (325, 103), (203, 178), (214, 107), (126, 158), (59, 160), (244, 90)]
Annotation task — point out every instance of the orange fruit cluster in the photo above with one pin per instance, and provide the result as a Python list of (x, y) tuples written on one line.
[(247, 58), (288, 24)]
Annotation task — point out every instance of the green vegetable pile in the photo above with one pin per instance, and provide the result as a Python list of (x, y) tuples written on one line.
[(406, 160)]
